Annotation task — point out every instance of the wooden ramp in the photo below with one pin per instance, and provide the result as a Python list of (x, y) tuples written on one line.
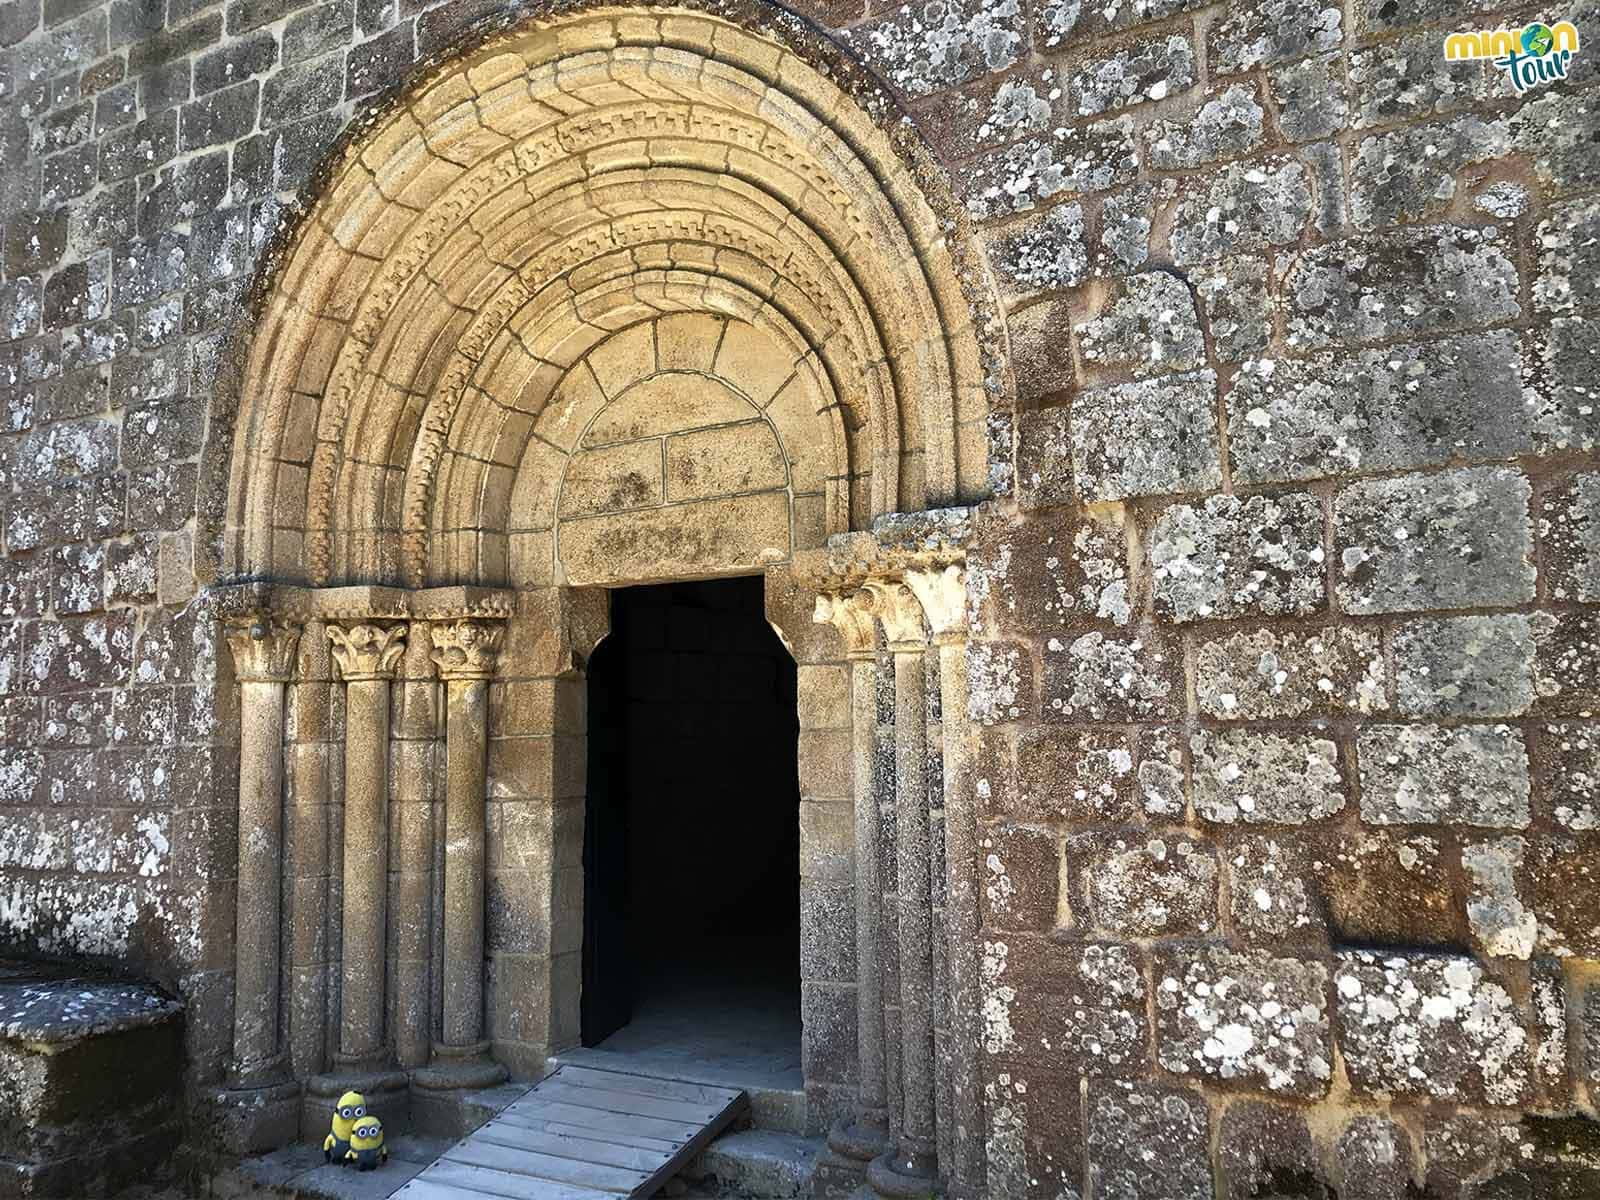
[(582, 1134)]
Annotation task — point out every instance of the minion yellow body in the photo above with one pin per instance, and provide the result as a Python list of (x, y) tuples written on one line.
[(367, 1150), (352, 1107)]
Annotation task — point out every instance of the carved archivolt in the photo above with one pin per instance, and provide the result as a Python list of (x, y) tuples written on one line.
[(477, 251)]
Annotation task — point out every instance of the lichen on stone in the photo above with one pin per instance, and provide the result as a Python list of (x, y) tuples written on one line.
[(1150, 326), (1245, 206), (1226, 126), (1258, 777), (1463, 775)]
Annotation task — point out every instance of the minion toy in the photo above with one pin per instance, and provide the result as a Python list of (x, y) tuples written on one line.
[(351, 1108), (367, 1150)]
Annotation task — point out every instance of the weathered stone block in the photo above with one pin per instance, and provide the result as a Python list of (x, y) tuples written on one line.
[(1465, 666), (1429, 1025), (1148, 438), (1374, 1156), (1568, 245), (1262, 1146), (1069, 160), (1041, 355), (1407, 78), (1259, 777), (1070, 1008), (1161, 786), (999, 682), (1396, 889), (1227, 125), (1310, 97), (1273, 31), (1244, 206), (1125, 222), (1399, 284), (1271, 894), (1567, 772), (1020, 877), (1499, 921), (1148, 326), (1379, 410), (1562, 359), (1051, 569), (1035, 1135), (1466, 775), (919, 51), (1149, 69), (1557, 131), (1147, 1140), (1233, 558), (1567, 662), (1250, 1017), (1047, 252), (1074, 775), (1455, 540), (1266, 674), (1411, 173), (1238, 304), (1569, 537), (1044, 458), (1144, 885), (1096, 678), (1562, 885)]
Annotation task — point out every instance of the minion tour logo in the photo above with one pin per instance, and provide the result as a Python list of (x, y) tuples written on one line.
[(1535, 54)]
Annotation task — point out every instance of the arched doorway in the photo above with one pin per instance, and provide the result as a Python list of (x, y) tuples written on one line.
[(624, 297)]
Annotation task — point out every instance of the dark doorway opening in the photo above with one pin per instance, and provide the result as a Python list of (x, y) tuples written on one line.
[(691, 837)]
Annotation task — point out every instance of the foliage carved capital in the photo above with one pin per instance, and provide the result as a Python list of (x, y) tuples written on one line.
[(263, 648), (365, 651), (466, 649)]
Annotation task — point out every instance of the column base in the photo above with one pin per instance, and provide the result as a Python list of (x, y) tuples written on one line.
[(251, 1120), (454, 1067), (841, 1168), (387, 1092), (898, 1176)]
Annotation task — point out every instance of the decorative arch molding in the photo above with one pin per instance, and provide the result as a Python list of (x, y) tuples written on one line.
[(529, 204)]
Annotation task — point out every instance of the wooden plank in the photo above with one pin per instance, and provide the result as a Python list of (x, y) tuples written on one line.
[(610, 1138), (520, 1137), (590, 1135), (558, 1092), (474, 1153), (731, 1112), (536, 1109), (646, 1085), (455, 1181)]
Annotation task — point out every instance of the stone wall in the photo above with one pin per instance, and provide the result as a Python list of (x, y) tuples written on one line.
[(1284, 637)]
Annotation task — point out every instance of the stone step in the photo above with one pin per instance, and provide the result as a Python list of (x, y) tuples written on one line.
[(755, 1164)]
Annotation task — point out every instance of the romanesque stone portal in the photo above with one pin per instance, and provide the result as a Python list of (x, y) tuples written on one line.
[(1166, 437)]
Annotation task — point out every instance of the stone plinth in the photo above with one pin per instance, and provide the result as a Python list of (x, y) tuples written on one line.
[(91, 1081)]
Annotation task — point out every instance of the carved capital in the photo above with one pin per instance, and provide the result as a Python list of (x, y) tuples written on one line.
[(897, 607), (263, 649), (466, 649), (851, 614), (943, 595), (367, 651)]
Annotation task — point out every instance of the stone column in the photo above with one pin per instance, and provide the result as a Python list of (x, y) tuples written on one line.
[(263, 650), (853, 1144), (465, 652), (943, 595), (367, 655), (910, 1169)]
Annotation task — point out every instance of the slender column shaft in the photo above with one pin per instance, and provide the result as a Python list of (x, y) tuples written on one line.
[(465, 652), (414, 735), (872, 1102), (263, 654), (942, 593), (961, 921), (466, 727), (367, 655), (916, 915)]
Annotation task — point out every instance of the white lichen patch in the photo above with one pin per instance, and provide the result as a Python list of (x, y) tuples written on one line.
[(1504, 927), (994, 682), (1267, 674), (1244, 1017), (1253, 777), (1430, 1025), (1231, 557)]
